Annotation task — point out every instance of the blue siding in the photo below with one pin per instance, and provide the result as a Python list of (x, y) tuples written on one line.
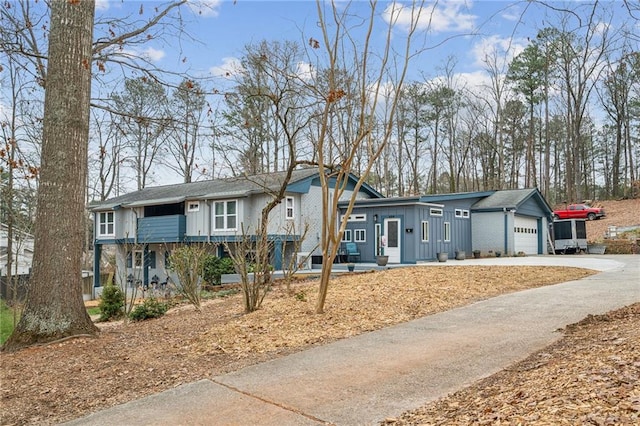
[(161, 229)]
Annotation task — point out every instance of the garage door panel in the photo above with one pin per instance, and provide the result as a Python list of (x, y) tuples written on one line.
[(525, 236)]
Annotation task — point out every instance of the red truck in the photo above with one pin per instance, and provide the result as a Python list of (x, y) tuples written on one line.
[(579, 211)]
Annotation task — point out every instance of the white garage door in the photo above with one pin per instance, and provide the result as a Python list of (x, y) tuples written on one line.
[(525, 235)]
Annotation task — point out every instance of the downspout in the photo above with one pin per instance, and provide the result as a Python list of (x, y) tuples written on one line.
[(506, 230), (135, 231), (97, 254), (277, 254), (145, 264), (208, 213)]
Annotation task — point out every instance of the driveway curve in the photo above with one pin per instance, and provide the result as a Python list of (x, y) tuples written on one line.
[(367, 378)]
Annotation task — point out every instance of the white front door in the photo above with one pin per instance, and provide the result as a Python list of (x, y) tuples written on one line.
[(392, 237)]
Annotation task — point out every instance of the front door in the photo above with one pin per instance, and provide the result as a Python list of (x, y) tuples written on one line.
[(392, 234)]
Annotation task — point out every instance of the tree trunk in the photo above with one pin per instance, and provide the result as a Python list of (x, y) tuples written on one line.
[(54, 307)]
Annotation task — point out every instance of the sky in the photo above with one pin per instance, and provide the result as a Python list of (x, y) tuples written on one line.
[(463, 29), (216, 32)]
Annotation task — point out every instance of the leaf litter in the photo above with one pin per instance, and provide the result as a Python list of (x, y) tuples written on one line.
[(61, 381)]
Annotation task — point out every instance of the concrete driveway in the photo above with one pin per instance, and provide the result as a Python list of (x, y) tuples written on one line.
[(367, 378)]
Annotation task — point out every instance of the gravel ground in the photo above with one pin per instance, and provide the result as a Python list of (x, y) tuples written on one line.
[(590, 377), (61, 381)]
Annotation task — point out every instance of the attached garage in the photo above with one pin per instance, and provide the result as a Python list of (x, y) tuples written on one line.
[(511, 221), (525, 235)]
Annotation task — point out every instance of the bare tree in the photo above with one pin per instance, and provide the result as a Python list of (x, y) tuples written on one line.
[(187, 109), (142, 123), (269, 100), (376, 83), (54, 307), (581, 48)]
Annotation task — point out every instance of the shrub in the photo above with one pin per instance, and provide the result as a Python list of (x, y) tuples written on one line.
[(622, 247), (188, 262), (214, 267), (150, 308), (111, 303)]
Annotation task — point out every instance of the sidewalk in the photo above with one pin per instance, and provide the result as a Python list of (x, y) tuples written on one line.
[(367, 378)]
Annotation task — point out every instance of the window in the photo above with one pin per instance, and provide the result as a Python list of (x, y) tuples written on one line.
[(193, 206), (447, 231), (360, 217), (360, 235), (425, 231), (465, 214), (137, 259), (435, 212), (346, 237), (458, 212), (289, 207), (106, 225), (225, 215)]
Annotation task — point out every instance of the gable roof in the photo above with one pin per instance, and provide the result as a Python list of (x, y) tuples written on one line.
[(511, 199), (233, 187), (439, 198)]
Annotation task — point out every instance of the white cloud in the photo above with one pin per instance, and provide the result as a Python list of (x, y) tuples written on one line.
[(206, 8), (503, 49), (150, 54), (476, 82), (512, 12), (102, 4), (153, 55), (305, 71), (602, 28), (230, 67), (437, 17)]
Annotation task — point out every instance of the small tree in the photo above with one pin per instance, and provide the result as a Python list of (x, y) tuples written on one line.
[(111, 302), (188, 263), (292, 265), (255, 262), (367, 86)]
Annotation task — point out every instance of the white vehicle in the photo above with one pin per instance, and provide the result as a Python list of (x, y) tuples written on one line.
[(569, 236)]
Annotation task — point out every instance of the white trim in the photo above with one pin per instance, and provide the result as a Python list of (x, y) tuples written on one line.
[(360, 235), (436, 212), (289, 208), (225, 216), (446, 232), (424, 231), (193, 206), (108, 227), (357, 217), (346, 237), (458, 213)]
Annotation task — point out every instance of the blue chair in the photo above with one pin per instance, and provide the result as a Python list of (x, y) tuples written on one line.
[(352, 252)]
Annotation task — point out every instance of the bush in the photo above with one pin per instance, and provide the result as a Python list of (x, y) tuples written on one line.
[(111, 303), (622, 247), (214, 267), (188, 264), (150, 308)]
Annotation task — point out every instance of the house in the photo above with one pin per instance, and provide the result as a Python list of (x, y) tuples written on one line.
[(416, 229), (22, 248), (146, 225), (512, 221)]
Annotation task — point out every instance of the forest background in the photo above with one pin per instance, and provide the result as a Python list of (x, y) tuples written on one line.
[(558, 108)]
